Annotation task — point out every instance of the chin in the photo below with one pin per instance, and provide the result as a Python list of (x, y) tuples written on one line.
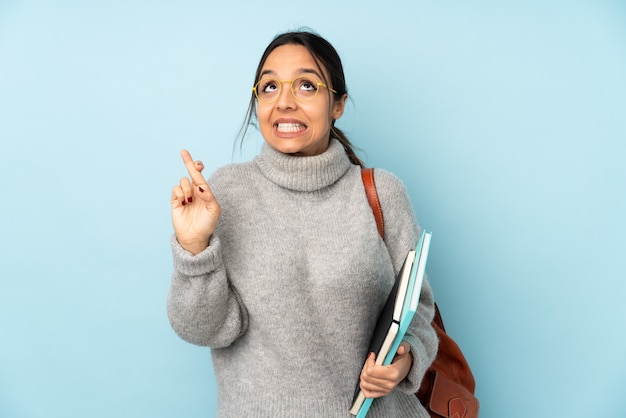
[(289, 146)]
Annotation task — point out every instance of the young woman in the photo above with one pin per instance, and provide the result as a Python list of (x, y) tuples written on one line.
[(278, 265)]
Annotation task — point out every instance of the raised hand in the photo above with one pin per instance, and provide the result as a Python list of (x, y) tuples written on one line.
[(195, 211)]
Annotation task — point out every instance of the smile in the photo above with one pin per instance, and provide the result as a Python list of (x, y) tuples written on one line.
[(290, 127)]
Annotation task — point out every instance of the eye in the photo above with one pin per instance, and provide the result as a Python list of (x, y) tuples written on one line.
[(268, 86), (304, 84)]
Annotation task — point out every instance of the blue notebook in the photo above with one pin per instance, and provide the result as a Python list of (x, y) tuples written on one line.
[(412, 300), (405, 308)]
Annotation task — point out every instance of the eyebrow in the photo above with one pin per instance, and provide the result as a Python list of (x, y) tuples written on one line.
[(300, 71)]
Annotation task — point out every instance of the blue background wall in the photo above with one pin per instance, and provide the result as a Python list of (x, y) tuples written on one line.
[(506, 120)]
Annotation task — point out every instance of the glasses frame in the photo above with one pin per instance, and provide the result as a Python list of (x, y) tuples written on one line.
[(293, 92)]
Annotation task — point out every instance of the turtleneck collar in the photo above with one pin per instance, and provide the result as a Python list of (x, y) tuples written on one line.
[(305, 174)]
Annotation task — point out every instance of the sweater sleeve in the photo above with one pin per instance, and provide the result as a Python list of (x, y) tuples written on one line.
[(202, 307), (401, 235)]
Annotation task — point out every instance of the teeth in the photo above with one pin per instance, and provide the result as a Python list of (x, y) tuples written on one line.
[(290, 127)]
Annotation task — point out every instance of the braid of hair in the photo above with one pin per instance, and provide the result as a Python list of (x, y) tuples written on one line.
[(347, 145)]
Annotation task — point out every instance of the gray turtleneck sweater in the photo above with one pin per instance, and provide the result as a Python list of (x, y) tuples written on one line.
[(288, 291)]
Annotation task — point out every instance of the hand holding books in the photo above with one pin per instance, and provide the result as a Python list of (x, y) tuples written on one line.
[(378, 380), (395, 318)]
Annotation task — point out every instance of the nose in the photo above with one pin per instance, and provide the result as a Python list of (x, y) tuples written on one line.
[(286, 100)]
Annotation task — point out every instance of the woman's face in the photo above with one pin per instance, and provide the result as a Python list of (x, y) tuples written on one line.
[(290, 125)]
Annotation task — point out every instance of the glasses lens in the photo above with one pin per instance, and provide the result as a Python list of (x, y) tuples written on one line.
[(304, 88), (267, 90)]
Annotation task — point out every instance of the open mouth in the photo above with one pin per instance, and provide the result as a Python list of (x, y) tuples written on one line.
[(290, 127)]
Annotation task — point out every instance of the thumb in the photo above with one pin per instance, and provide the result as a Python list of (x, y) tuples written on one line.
[(404, 348), (371, 360)]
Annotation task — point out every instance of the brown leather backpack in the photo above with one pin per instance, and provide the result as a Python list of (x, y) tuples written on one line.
[(447, 389)]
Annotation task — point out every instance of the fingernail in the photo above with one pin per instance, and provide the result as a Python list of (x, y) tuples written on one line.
[(189, 199), (201, 189), (184, 203)]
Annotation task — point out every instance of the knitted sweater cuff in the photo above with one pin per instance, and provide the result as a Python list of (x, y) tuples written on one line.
[(204, 262), (412, 382)]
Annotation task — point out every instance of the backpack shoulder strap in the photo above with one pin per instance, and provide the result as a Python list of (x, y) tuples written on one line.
[(372, 197)]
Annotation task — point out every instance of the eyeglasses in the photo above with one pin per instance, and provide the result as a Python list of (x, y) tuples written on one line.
[(303, 88)]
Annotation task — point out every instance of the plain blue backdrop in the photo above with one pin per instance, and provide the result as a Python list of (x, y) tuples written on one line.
[(505, 119)]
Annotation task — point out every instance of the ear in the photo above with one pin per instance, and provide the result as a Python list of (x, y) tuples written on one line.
[(338, 107)]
